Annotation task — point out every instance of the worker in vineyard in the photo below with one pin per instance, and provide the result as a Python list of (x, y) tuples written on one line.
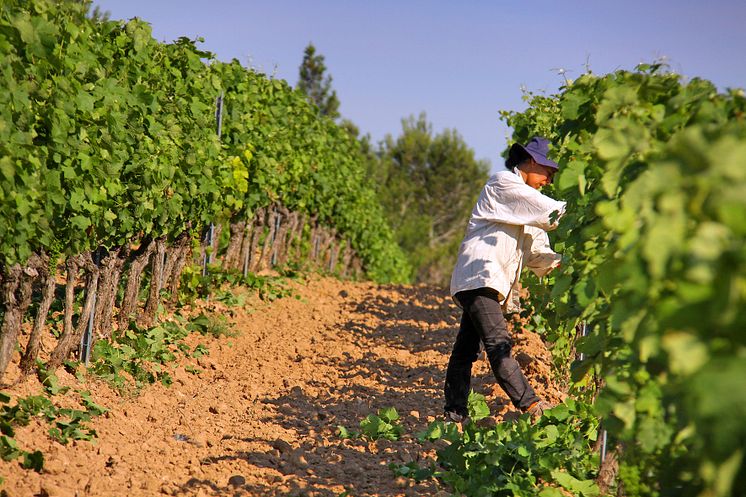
[(507, 231)]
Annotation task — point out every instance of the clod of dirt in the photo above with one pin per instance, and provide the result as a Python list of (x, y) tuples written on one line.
[(236, 481), (49, 490), (199, 440), (523, 359), (299, 460), (282, 446), (401, 482)]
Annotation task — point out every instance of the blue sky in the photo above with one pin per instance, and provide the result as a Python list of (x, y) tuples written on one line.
[(460, 62)]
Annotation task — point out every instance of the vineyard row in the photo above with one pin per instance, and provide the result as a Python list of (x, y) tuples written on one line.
[(109, 282)]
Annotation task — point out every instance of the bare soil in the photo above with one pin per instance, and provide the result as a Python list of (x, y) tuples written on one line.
[(261, 417)]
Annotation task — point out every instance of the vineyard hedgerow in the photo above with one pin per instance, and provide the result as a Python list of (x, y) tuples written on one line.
[(110, 161), (654, 241), (108, 154), (654, 270), (109, 135)]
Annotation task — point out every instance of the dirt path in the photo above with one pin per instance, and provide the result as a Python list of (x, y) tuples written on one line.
[(268, 402)]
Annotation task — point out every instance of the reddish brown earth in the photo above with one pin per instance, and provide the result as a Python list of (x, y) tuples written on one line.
[(268, 402)]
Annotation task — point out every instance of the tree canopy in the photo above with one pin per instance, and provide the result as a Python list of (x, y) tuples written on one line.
[(315, 83), (428, 184)]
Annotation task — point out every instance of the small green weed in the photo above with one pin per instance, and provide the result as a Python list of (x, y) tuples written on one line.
[(66, 424), (196, 285), (140, 353), (138, 357), (49, 380), (199, 351), (216, 326), (374, 427), (193, 370), (230, 298), (515, 458)]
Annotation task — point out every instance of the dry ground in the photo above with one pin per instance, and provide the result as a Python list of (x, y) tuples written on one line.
[(267, 404)]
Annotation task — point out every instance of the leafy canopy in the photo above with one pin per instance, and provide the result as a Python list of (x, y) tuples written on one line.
[(428, 184), (655, 249), (316, 84)]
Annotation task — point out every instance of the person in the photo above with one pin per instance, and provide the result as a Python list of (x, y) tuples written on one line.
[(507, 231)]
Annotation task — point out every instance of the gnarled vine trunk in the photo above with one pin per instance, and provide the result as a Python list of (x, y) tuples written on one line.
[(334, 254), (347, 256), (246, 247), (231, 259), (260, 221), (71, 336), (34, 342), (138, 261), (607, 473), (278, 245), (209, 248), (357, 267), (16, 297), (326, 238), (315, 240), (298, 237), (110, 274), (147, 318), (178, 257), (264, 257)]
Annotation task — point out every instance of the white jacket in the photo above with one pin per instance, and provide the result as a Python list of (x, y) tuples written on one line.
[(507, 231)]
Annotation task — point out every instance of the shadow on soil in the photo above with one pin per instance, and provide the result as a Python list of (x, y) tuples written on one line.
[(419, 319)]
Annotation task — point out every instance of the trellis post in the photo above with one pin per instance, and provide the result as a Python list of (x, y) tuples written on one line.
[(209, 256), (604, 434)]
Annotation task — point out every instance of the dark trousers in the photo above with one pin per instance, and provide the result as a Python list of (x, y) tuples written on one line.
[(483, 320)]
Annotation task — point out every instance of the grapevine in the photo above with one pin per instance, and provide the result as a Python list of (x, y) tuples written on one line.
[(655, 266)]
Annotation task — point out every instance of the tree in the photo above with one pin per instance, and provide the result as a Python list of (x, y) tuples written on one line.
[(428, 185), (313, 82), (95, 12)]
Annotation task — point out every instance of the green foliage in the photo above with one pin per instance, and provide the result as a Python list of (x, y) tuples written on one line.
[(515, 458), (428, 184), (655, 256), (213, 325), (230, 298), (317, 85), (49, 380), (477, 406), (108, 136), (199, 351), (344, 433), (66, 424), (308, 162), (137, 357), (196, 285), (385, 425)]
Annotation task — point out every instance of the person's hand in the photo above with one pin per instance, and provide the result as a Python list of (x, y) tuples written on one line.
[(557, 266)]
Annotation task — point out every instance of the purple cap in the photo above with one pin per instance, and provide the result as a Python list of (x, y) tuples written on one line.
[(537, 148)]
